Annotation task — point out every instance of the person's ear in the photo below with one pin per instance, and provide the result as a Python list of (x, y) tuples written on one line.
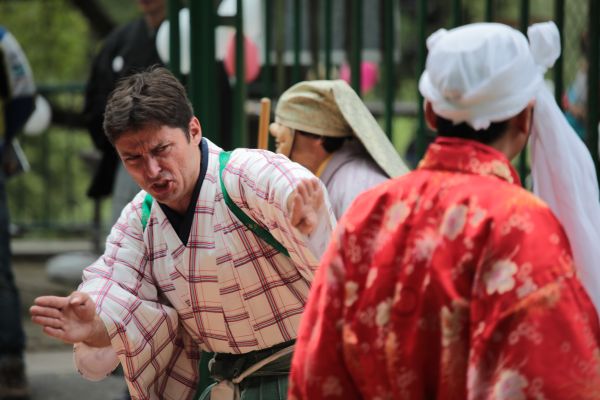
[(430, 116), (195, 130), (524, 119)]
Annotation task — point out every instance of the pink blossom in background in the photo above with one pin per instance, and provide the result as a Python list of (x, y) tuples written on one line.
[(369, 75), (251, 58)]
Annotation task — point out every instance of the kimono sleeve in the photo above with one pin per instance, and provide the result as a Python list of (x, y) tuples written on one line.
[(144, 332), (318, 365), (260, 182), (534, 331)]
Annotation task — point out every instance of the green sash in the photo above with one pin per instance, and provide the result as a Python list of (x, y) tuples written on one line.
[(242, 216)]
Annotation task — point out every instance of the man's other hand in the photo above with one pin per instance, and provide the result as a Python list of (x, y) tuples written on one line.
[(304, 203)]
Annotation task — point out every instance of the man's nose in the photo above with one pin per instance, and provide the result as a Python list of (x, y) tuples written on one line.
[(273, 129), (152, 167)]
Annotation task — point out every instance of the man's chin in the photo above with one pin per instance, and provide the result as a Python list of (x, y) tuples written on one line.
[(161, 196)]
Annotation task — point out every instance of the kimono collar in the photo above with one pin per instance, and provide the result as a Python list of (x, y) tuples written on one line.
[(462, 155)]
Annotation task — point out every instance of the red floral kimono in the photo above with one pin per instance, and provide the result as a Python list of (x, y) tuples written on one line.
[(451, 282)]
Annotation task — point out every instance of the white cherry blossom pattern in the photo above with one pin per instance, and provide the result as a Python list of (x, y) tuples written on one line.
[(332, 387), (336, 272), (501, 277), (454, 221), (477, 216), (521, 221), (384, 310), (371, 276), (396, 215), (511, 385), (494, 167), (527, 287), (354, 249), (351, 293), (453, 320), (425, 244)]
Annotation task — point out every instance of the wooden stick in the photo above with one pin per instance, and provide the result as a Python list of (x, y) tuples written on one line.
[(263, 123)]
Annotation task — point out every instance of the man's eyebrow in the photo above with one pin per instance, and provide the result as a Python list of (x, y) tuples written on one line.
[(156, 146), (127, 154)]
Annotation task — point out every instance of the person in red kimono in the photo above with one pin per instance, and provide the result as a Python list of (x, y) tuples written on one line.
[(454, 282)]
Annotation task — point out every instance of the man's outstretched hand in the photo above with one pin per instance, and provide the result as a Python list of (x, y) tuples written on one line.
[(304, 203), (71, 319)]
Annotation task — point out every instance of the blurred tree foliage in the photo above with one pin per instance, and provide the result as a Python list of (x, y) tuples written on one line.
[(56, 36), (60, 41)]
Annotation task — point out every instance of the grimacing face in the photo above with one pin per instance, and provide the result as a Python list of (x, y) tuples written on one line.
[(284, 138), (163, 162)]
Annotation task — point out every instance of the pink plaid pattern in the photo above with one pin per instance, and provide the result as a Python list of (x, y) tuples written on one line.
[(226, 291)]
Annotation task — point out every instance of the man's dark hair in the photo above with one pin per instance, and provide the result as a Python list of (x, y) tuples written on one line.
[(330, 144), (148, 99), (463, 130)]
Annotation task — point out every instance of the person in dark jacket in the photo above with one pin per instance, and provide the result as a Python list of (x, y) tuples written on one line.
[(17, 94), (127, 50)]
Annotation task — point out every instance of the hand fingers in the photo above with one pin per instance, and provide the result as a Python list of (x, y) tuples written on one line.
[(306, 189), (312, 190), (48, 322), (79, 298), (317, 194), (83, 306), (51, 301), (302, 189), (45, 312), (308, 197), (296, 215)]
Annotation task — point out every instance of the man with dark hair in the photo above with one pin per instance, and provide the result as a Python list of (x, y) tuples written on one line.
[(216, 253), (454, 282), (324, 126)]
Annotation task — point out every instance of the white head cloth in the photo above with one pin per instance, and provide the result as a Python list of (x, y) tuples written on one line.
[(483, 73)]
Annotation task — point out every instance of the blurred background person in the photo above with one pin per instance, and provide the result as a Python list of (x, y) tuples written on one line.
[(17, 93), (575, 98), (129, 49)]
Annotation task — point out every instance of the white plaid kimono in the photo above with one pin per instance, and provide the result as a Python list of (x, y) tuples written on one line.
[(226, 291)]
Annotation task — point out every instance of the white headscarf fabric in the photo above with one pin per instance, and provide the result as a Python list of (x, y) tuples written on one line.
[(483, 73)]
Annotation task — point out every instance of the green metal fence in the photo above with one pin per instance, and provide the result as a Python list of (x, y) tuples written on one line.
[(52, 195), (426, 16)]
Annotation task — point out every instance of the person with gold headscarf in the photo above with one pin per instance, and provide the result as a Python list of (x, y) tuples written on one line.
[(324, 126), (453, 281)]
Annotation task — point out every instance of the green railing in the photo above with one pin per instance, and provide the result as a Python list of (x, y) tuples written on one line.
[(52, 196), (393, 75)]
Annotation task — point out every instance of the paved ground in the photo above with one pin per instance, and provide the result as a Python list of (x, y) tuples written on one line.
[(49, 362)]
